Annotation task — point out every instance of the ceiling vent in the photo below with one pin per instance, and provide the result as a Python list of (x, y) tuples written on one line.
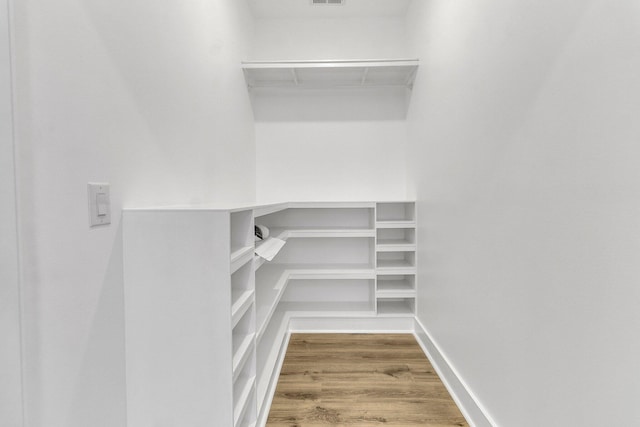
[(319, 2)]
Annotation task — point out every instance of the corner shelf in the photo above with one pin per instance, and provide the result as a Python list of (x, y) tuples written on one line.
[(330, 74)]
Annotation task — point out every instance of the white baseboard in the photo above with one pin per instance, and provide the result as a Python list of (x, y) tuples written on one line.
[(472, 410)]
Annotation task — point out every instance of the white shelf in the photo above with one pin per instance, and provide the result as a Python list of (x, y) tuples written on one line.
[(270, 285), (331, 205), (241, 403), (268, 352), (396, 224), (395, 266), (400, 293), (395, 245), (301, 232), (330, 74), (242, 300), (331, 271), (240, 256), (241, 344), (241, 354)]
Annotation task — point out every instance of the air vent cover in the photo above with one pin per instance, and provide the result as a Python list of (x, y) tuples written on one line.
[(336, 2)]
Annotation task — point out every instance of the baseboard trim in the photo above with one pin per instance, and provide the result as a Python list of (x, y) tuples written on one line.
[(469, 405)]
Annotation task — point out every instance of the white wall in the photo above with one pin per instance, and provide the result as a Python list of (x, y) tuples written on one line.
[(300, 161), (524, 147), (330, 145), (150, 98), (329, 38), (10, 365)]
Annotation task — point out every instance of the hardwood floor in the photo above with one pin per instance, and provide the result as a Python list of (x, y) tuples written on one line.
[(360, 380)]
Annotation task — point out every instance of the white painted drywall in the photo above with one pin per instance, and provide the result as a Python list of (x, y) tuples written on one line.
[(351, 9), (325, 160), (524, 142), (329, 38), (330, 145), (144, 95), (10, 364)]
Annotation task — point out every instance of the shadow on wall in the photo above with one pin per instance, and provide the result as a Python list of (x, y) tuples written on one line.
[(317, 105), (100, 391)]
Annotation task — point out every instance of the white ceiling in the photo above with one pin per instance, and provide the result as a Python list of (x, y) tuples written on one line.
[(351, 9)]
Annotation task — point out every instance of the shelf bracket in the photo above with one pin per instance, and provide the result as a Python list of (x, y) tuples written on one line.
[(295, 76)]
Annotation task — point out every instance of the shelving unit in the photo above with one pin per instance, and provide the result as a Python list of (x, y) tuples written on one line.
[(190, 312), (330, 74), (272, 281), (396, 246), (242, 292), (203, 308), (326, 269)]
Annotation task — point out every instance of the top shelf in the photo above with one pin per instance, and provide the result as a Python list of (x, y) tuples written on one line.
[(331, 74)]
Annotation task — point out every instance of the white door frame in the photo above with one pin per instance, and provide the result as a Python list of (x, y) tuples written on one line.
[(11, 388)]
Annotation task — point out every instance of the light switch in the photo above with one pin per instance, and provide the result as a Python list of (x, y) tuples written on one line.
[(99, 204), (102, 204)]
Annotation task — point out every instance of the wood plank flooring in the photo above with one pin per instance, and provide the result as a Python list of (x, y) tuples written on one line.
[(360, 380)]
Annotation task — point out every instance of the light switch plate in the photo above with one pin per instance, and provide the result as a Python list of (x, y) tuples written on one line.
[(99, 204)]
